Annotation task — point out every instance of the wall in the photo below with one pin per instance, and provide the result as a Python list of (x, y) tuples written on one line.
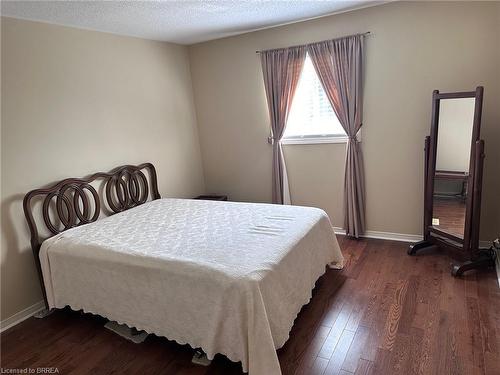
[(76, 102), (414, 48)]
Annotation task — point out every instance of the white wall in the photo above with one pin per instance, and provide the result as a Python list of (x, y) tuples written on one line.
[(76, 102), (414, 48)]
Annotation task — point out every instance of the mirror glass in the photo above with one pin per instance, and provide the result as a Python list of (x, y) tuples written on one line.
[(454, 136)]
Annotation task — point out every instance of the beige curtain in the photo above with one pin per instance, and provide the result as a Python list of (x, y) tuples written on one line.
[(281, 69), (339, 64)]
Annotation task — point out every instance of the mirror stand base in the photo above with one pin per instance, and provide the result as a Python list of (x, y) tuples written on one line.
[(417, 246), (485, 259)]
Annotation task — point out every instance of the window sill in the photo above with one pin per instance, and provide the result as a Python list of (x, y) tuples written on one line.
[(313, 140)]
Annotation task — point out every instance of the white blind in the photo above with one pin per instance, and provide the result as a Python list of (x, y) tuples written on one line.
[(311, 114)]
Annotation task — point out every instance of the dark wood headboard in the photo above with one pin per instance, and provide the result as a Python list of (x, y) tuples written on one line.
[(74, 201)]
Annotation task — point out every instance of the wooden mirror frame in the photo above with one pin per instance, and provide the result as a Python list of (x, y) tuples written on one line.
[(466, 248), (470, 240)]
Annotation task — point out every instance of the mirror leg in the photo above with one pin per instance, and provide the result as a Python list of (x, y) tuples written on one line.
[(485, 259), (412, 250)]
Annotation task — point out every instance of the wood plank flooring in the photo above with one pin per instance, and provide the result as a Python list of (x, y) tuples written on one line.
[(385, 313)]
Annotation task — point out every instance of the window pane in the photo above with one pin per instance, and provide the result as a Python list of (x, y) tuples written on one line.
[(311, 113)]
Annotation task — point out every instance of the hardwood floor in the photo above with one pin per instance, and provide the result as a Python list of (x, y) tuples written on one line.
[(385, 313)]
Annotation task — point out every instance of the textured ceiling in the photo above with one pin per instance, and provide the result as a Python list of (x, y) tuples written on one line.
[(178, 21)]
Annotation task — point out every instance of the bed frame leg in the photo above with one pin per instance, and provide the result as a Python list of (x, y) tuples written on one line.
[(200, 358), (43, 313)]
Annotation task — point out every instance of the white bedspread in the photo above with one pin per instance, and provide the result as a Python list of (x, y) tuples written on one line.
[(224, 276)]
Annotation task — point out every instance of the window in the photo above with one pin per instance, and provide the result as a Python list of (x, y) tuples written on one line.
[(311, 118)]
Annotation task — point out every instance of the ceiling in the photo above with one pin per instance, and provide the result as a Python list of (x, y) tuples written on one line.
[(178, 21)]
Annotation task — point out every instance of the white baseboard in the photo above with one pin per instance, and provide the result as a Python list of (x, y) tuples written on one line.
[(385, 235), (21, 316), (394, 236), (398, 236), (485, 244)]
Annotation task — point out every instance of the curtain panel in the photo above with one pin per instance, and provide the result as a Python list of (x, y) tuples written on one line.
[(339, 65), (281, 69)]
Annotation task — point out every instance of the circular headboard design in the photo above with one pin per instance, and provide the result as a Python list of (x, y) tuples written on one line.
[(75, 201)]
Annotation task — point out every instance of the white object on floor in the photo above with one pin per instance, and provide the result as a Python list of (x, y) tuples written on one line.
[(126, 332), (226, 277), (200, 358), (43, 313)]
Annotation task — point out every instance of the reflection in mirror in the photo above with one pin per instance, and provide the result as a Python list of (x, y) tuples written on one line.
[(456, 119)]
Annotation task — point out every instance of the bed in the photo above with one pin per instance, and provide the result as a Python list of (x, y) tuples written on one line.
[(226, 277)]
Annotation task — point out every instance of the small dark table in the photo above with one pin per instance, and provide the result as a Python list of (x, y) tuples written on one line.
[(212, 197), (452, 175)]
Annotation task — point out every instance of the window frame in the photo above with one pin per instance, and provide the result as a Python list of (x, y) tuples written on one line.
[(316, 138)]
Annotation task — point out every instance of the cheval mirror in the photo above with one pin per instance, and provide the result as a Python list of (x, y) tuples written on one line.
[(454, 155)]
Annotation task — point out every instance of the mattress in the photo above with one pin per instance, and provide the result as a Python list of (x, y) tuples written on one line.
[(226, 277)]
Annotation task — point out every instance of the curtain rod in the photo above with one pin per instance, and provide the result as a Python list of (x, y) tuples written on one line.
[(308, 44)]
